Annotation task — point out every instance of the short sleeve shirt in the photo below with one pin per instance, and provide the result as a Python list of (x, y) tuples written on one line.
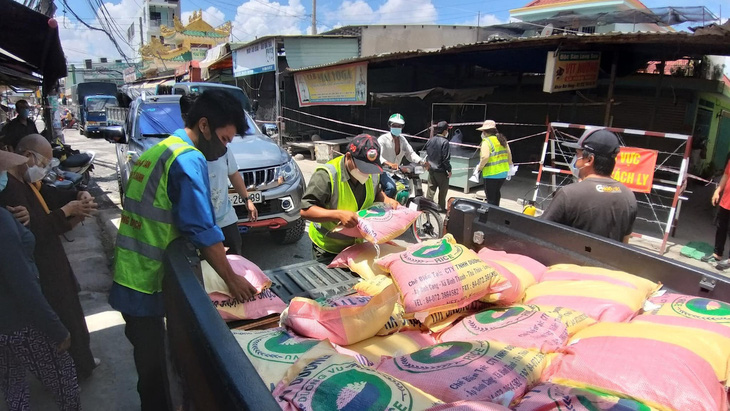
[(725, 198), (218, 172), (599, 205)]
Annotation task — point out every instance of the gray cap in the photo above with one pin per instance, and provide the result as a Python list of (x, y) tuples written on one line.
[(597, 141)]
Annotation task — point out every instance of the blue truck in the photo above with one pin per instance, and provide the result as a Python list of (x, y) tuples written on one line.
[(93, 98)]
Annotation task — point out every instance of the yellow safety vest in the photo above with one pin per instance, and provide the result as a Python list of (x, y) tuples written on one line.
[(147, 226), (342, 198), (498, 159)]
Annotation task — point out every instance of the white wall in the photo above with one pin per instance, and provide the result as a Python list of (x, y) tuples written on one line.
[(386, 39)]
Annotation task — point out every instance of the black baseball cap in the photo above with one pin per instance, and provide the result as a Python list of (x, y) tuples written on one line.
[(365, 150), (441, 126), (597, 141)]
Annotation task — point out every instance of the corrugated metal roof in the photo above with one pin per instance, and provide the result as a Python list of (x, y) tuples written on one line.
[(236, 46), (679, 42)]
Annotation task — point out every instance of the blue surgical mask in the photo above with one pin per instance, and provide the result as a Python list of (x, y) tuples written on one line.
[(3, 180), (395, 131), (574, 168)]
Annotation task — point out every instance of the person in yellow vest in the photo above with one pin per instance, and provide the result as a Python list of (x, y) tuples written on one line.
[(168, 196), (338, 190), (495, 160)]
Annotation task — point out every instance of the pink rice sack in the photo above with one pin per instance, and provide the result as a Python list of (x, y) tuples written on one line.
[(441, 275), (688, 311), (521, 271), (262, 304), (379, 223), (360, 258), (369, 352), (473, 371), (554, 397), (338, 382), (521, 326), (342, 320), (469, 406), (664, 367), (602, 294)]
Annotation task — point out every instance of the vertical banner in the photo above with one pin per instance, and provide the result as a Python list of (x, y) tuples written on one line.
[(342, 85), (571, 70), (635, 168)]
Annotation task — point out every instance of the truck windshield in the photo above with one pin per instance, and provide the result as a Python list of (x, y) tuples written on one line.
[(100, 103)]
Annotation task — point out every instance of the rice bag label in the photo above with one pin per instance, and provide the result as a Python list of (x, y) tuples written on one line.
[(702, 309), (279, 347), (444, 252), (346, 386), (497, 318), (477, 370), (380, 223), (546, 397), (346, 301)]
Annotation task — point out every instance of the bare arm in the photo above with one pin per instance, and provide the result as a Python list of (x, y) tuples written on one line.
[(322, 215), (240, 187), (239, 287), (719, 189)]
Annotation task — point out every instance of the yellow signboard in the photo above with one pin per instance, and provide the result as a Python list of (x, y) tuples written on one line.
[(571, 70), (342, 85)]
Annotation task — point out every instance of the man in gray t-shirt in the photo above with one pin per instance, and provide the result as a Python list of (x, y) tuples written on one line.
[(597, 203)]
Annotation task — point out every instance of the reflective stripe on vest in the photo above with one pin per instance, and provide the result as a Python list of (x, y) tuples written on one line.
[(342, 198), (498, 159), (146, 227)]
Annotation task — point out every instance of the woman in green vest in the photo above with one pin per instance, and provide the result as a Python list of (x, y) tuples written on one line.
[(495, 161)]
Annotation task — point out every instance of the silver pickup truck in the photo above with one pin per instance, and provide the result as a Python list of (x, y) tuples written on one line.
[(273, 179)]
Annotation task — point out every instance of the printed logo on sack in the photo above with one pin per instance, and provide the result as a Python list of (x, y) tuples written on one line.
[(595, 402), (347, 387), (702, 308), (381, 213), (440, 253), (279, 347), (442, 356), (497, 318)]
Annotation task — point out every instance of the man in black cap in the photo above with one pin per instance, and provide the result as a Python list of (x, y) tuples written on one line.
[(438, 155), (597, 203), (337, 191)]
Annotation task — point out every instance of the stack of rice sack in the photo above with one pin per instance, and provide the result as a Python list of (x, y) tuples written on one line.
[(264, 303)]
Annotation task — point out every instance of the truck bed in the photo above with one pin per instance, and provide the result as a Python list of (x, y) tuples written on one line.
[(214, 374)]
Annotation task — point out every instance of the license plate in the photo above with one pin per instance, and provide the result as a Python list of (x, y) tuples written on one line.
[(237, 200)]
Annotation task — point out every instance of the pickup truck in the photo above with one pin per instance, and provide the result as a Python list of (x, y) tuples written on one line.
[(214, 374), (273, 179)]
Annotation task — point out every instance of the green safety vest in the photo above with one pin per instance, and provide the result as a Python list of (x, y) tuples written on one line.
[(147, 227), (498, 159), (342, 199)]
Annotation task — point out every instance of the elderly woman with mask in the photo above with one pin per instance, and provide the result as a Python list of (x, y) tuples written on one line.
[(32, 338), (52, 212)]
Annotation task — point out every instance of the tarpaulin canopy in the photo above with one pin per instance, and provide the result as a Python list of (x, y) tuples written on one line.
[(31, 44)]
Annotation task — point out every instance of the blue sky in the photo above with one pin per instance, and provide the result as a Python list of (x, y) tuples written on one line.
[(254, 18)]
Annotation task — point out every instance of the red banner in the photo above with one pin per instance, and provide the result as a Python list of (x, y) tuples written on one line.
[(635, 168)]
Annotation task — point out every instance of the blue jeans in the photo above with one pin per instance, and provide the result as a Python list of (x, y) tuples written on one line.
[(387, 184)]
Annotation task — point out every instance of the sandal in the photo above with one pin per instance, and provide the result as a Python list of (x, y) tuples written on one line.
[(723, 265), (710, 258)]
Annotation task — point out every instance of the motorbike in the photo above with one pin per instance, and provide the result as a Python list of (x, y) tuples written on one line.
[(69, 124), (429, 223), (72, 163)]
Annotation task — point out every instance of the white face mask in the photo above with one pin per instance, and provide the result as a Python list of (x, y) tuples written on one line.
[(359, 176), (34, 173), (575, 169)]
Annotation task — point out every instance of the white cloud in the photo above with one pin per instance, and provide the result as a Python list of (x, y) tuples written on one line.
[(353, 12), (211, 15), (80, 43), (483, 20), (256, 18)]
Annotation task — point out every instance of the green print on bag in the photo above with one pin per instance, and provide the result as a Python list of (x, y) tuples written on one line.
[(442, 356), (279, 347), (373, 212), (499, 315), (440, 253), (702, 308)]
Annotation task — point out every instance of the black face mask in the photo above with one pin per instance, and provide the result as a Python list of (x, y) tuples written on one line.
[(212, 149)]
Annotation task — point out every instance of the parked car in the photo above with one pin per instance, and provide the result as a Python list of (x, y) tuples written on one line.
[(273, 179)]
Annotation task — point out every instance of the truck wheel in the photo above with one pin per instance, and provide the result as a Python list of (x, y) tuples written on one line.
[(291, 234)]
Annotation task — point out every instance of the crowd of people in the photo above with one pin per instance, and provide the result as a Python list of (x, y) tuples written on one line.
[(50, 337)]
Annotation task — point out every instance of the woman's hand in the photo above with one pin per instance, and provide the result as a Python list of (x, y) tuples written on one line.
[(21, 214)]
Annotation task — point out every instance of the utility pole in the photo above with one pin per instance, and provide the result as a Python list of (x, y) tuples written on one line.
[(479, 18), (314, 16), (141, 33)]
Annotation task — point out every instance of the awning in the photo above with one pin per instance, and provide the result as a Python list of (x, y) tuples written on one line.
[(213, 56), (149, 87), (32, 38)]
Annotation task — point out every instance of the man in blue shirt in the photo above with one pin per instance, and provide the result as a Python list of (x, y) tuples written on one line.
[(182, 207)]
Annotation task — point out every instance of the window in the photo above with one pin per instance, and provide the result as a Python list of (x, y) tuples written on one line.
[(588, 29), (155, 15)]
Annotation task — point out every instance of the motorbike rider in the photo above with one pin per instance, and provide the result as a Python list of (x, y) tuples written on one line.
[(393, 147)]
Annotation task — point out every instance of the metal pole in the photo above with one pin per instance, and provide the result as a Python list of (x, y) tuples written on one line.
[(141, 33), (314, 17), (611, 84), (278, 91)]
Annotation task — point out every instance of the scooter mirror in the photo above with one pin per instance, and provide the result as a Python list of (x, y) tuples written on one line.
[(114, 134)]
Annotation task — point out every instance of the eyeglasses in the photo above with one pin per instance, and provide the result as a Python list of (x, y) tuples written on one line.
[(40, 160)]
